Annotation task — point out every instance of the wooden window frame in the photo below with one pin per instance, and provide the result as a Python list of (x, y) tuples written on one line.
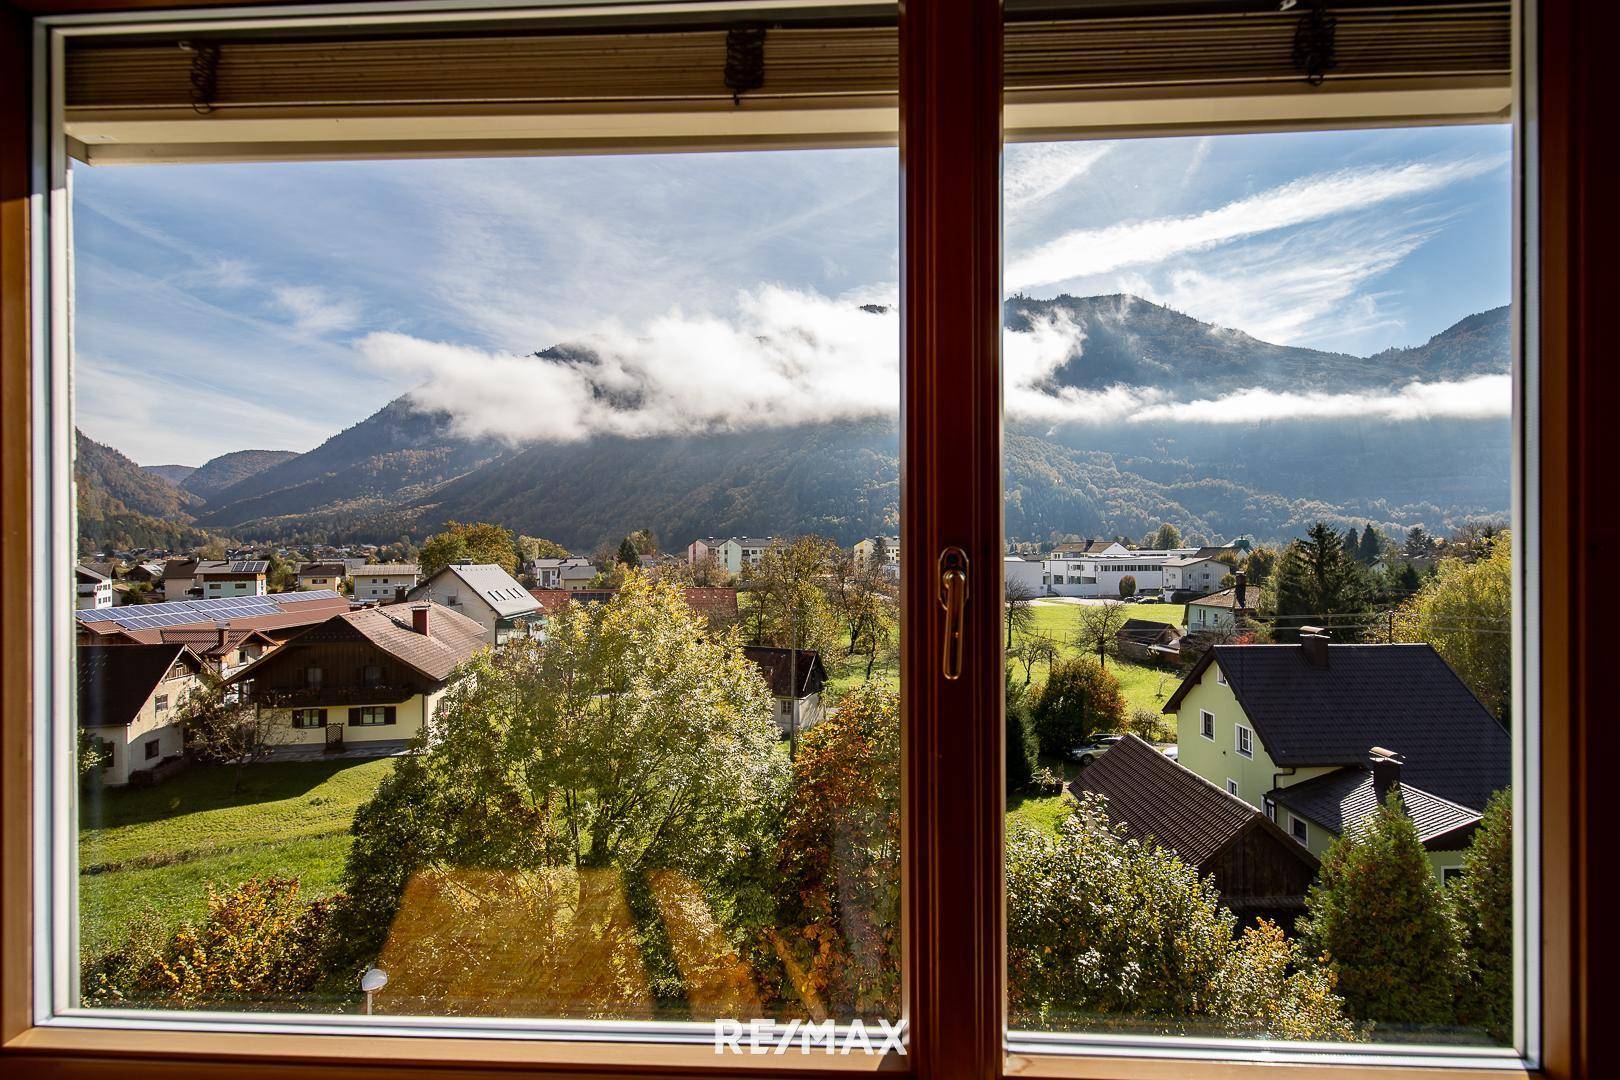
[(950, 142)]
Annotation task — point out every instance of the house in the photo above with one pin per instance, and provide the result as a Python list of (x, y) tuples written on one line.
[(734, 553), (571, 572), (179, 578), (1258, 869), (322, 575), (796, 678), (1226, 610), (239, 577), (1310, 733), (374, 675), (91, 589), (1148, 641), (718, 606), (1023, 572), (146, 573), (383, 583), (129, 699), (223, 649), (884, 550), (484, 593), (1103, 573), (1194, 573), (1089, 547)]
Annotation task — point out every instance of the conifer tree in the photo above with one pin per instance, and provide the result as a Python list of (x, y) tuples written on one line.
[(1482, 902)]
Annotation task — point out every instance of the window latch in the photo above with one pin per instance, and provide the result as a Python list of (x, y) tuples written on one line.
[(953, 595)]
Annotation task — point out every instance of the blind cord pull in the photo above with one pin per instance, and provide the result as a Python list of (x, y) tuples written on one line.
[(204, 74), (1313, 44)]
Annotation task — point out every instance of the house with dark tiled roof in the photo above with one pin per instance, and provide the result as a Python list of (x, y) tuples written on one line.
[(1148, 641), (129, 699), (1221, 612), (796, 678), (1258, 868), (373, 675), (1315, 733)]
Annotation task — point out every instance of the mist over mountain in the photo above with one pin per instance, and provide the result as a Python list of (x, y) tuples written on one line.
[(1135, 414)]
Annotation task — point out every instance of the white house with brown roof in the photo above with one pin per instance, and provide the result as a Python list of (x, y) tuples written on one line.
[(322, 575), (484, 593), (92, 589), (129, 699), (382, 582), (367, 676), (1222, 611)]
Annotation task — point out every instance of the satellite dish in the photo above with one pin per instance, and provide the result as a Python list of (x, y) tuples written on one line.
[(373, 980)]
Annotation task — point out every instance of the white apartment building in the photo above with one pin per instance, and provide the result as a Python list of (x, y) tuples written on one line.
[(382, 582), (1101, 574)]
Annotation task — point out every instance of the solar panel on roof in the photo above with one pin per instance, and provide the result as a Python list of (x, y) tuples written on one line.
[(180, 612)]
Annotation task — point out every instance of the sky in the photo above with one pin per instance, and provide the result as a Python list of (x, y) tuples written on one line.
[(269, 306)]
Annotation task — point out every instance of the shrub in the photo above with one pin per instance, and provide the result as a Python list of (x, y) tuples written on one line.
[(1021, 754), (1077, 699), (1482, 904), (1149, 724), (1378, 917)]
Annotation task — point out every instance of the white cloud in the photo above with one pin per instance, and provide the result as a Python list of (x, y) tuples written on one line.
[(1484, 397), (1084, 252), (786, 357), (1036, 171), (314, 312)]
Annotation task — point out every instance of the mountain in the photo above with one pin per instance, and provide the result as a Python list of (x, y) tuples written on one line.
[(1134, 342), (174, 474), (365, 472), (405, 470), (121, 505), (217, 474)]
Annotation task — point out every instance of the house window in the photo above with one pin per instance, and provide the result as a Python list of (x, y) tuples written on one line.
[(1450, 875), (371, 716), (1206, 724), (309, 718), (1269, 805), (1220, 676), (151, 748), (1243, 741), (1299, 830), (313, 677), (160, 703), (1231, 786), (371, 675)]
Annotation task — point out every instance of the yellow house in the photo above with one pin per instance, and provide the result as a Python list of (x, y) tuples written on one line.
[(1315, 734)]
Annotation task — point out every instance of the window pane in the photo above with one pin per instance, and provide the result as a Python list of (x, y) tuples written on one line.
[(488, 575), (1259, 585)]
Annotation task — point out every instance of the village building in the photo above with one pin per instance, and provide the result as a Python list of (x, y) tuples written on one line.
[(383, 583), (129, 698), (484, 593)]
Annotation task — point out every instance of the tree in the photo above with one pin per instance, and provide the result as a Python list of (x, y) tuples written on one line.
[(1352, 542), (1378, 916), (1022, 753), (222, 726), (1168, 536), (1259, 565), (1418, 543), (1127, 586), (1097, 631), (792, 608), (1035, 647), (475, 543), (630, 739), (1149, 724), (1077, 699), (1101, 924), (628, 556), (1466, 613), (280, 575), (1318, 584), (92, 755), (1372, 546), (534, 547), (838, 863), (1482, 904), (1018, 595)]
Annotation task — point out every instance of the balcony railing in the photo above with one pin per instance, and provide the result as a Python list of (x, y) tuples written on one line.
[(304, 697)]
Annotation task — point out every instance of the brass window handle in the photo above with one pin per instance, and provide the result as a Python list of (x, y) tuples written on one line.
[(953, 595)]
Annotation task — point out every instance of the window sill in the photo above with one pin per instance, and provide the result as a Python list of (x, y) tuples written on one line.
[(1115, 1058)]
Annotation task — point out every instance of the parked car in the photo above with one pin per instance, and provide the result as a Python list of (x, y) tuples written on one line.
[(1087, 752), (1150, 599)]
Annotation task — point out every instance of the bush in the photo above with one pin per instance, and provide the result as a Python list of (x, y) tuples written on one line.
[(1127, 586), (1021, 754), (1378, 917), (1078, 698), (1101, 924), (1482, 904), (1149, 724), (260, 943)]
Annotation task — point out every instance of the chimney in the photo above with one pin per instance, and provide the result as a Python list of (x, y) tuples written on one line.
[(419, 619), (1242, 590), (1313, 643), (1386, 771)]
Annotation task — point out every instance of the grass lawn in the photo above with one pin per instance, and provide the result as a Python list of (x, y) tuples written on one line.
[(1041, 812), (150, 853), (1142, 685)]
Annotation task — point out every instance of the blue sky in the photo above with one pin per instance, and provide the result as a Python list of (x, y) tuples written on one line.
[(274, 305)]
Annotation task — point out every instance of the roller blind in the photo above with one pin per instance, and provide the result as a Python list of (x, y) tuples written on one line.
[(848, 73)]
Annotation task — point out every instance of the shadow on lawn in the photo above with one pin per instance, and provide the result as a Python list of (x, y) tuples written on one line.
[(206, 787)]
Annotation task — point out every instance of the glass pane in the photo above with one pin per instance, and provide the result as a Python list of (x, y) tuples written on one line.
[(486, 586), (1259, 595)]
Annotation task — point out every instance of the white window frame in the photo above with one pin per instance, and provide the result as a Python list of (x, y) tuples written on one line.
[(1303, 836), (1206, 724), (1232, 788), (1238, 741)]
